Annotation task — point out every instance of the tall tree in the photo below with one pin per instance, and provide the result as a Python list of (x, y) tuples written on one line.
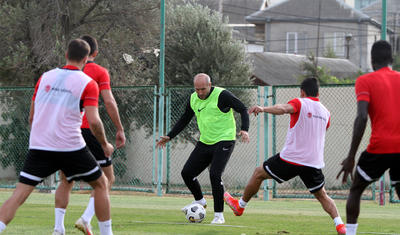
[(34, 35), (198, 40), (36, 32)]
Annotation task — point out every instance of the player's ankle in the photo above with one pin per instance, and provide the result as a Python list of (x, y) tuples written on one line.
[(242, 203), (2, 226)]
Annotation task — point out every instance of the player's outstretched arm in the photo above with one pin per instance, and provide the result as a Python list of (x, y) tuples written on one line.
[(277, 109), (97, 128), (360, 124), (112, 110)]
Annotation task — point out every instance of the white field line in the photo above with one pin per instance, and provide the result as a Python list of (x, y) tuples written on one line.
[(378, 233), (237, 226), (174, 223)]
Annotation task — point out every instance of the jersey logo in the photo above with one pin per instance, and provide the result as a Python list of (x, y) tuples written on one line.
[(309, 115), (200, 109), (47, 88)]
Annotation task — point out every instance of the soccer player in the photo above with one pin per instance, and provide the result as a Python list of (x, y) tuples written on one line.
[(302, 154), (213, 109), (56, 142), (101, 77), (377, 96)]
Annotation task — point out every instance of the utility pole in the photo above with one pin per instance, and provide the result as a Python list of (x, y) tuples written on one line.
[(220, 6), (348, 38), (318, 32)]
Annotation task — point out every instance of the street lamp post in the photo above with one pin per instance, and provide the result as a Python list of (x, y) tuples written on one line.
[(348, 38)]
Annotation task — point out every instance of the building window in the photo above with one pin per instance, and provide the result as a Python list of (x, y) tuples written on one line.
[(363, 3), (334, 42), (291, 43)]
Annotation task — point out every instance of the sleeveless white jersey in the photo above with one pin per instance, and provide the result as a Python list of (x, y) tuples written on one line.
[(305, 140), (57, 115)]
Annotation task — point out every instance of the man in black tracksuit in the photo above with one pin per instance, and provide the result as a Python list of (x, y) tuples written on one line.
[(213, 109)]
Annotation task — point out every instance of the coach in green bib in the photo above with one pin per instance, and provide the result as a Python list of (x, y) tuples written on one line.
[(214, 125), (213, 108)]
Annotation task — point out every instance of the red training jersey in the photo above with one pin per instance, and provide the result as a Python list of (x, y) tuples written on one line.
[(381, 90), (100, 75)]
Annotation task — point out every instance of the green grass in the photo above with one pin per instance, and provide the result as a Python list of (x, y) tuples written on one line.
[(148, 214)]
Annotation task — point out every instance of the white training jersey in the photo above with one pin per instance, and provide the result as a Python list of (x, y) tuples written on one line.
[(57, 115), (305, 140)]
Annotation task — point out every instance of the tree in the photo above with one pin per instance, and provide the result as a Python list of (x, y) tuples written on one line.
[(198, 40), (34, 35), (321, 73), (329, 52)]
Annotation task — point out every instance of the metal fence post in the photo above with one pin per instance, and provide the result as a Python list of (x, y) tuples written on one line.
[(258, 131), (167, 128), (274, 193), (153, 177), (266, 143)]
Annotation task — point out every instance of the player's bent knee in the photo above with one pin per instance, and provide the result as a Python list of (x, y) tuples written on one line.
[(321, 194), (100, 183), (111, 180), (260, 173)]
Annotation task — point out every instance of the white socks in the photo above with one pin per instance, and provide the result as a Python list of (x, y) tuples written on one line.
[(242, 203), (105, 228), (202, 201), (2, 226), (89, 212), (59, 220), (337, 221), (351, 229)]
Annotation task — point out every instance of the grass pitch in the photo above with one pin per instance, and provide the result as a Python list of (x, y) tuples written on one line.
[(149, 214)]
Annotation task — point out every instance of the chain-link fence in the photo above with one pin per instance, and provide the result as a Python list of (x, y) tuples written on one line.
[(245, 156), (133, 165), (14, 132), (136, 165)]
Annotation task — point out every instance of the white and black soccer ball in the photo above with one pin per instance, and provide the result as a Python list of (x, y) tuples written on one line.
[(195, 213)]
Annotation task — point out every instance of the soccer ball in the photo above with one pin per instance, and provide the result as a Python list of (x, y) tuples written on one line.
[(195, 213)]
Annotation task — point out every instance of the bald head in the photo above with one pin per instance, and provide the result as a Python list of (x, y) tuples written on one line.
[(202, 77), (202, 85)]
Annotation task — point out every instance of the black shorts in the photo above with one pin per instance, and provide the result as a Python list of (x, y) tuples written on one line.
[(372, 166), (94, 146), (76, 165), (282, 171)]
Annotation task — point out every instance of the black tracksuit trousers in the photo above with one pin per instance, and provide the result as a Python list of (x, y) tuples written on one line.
[(216, 156)]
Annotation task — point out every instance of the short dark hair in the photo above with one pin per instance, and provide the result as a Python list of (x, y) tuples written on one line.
[(92, 43), (77, 50), (381, 53), (310, 86)]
